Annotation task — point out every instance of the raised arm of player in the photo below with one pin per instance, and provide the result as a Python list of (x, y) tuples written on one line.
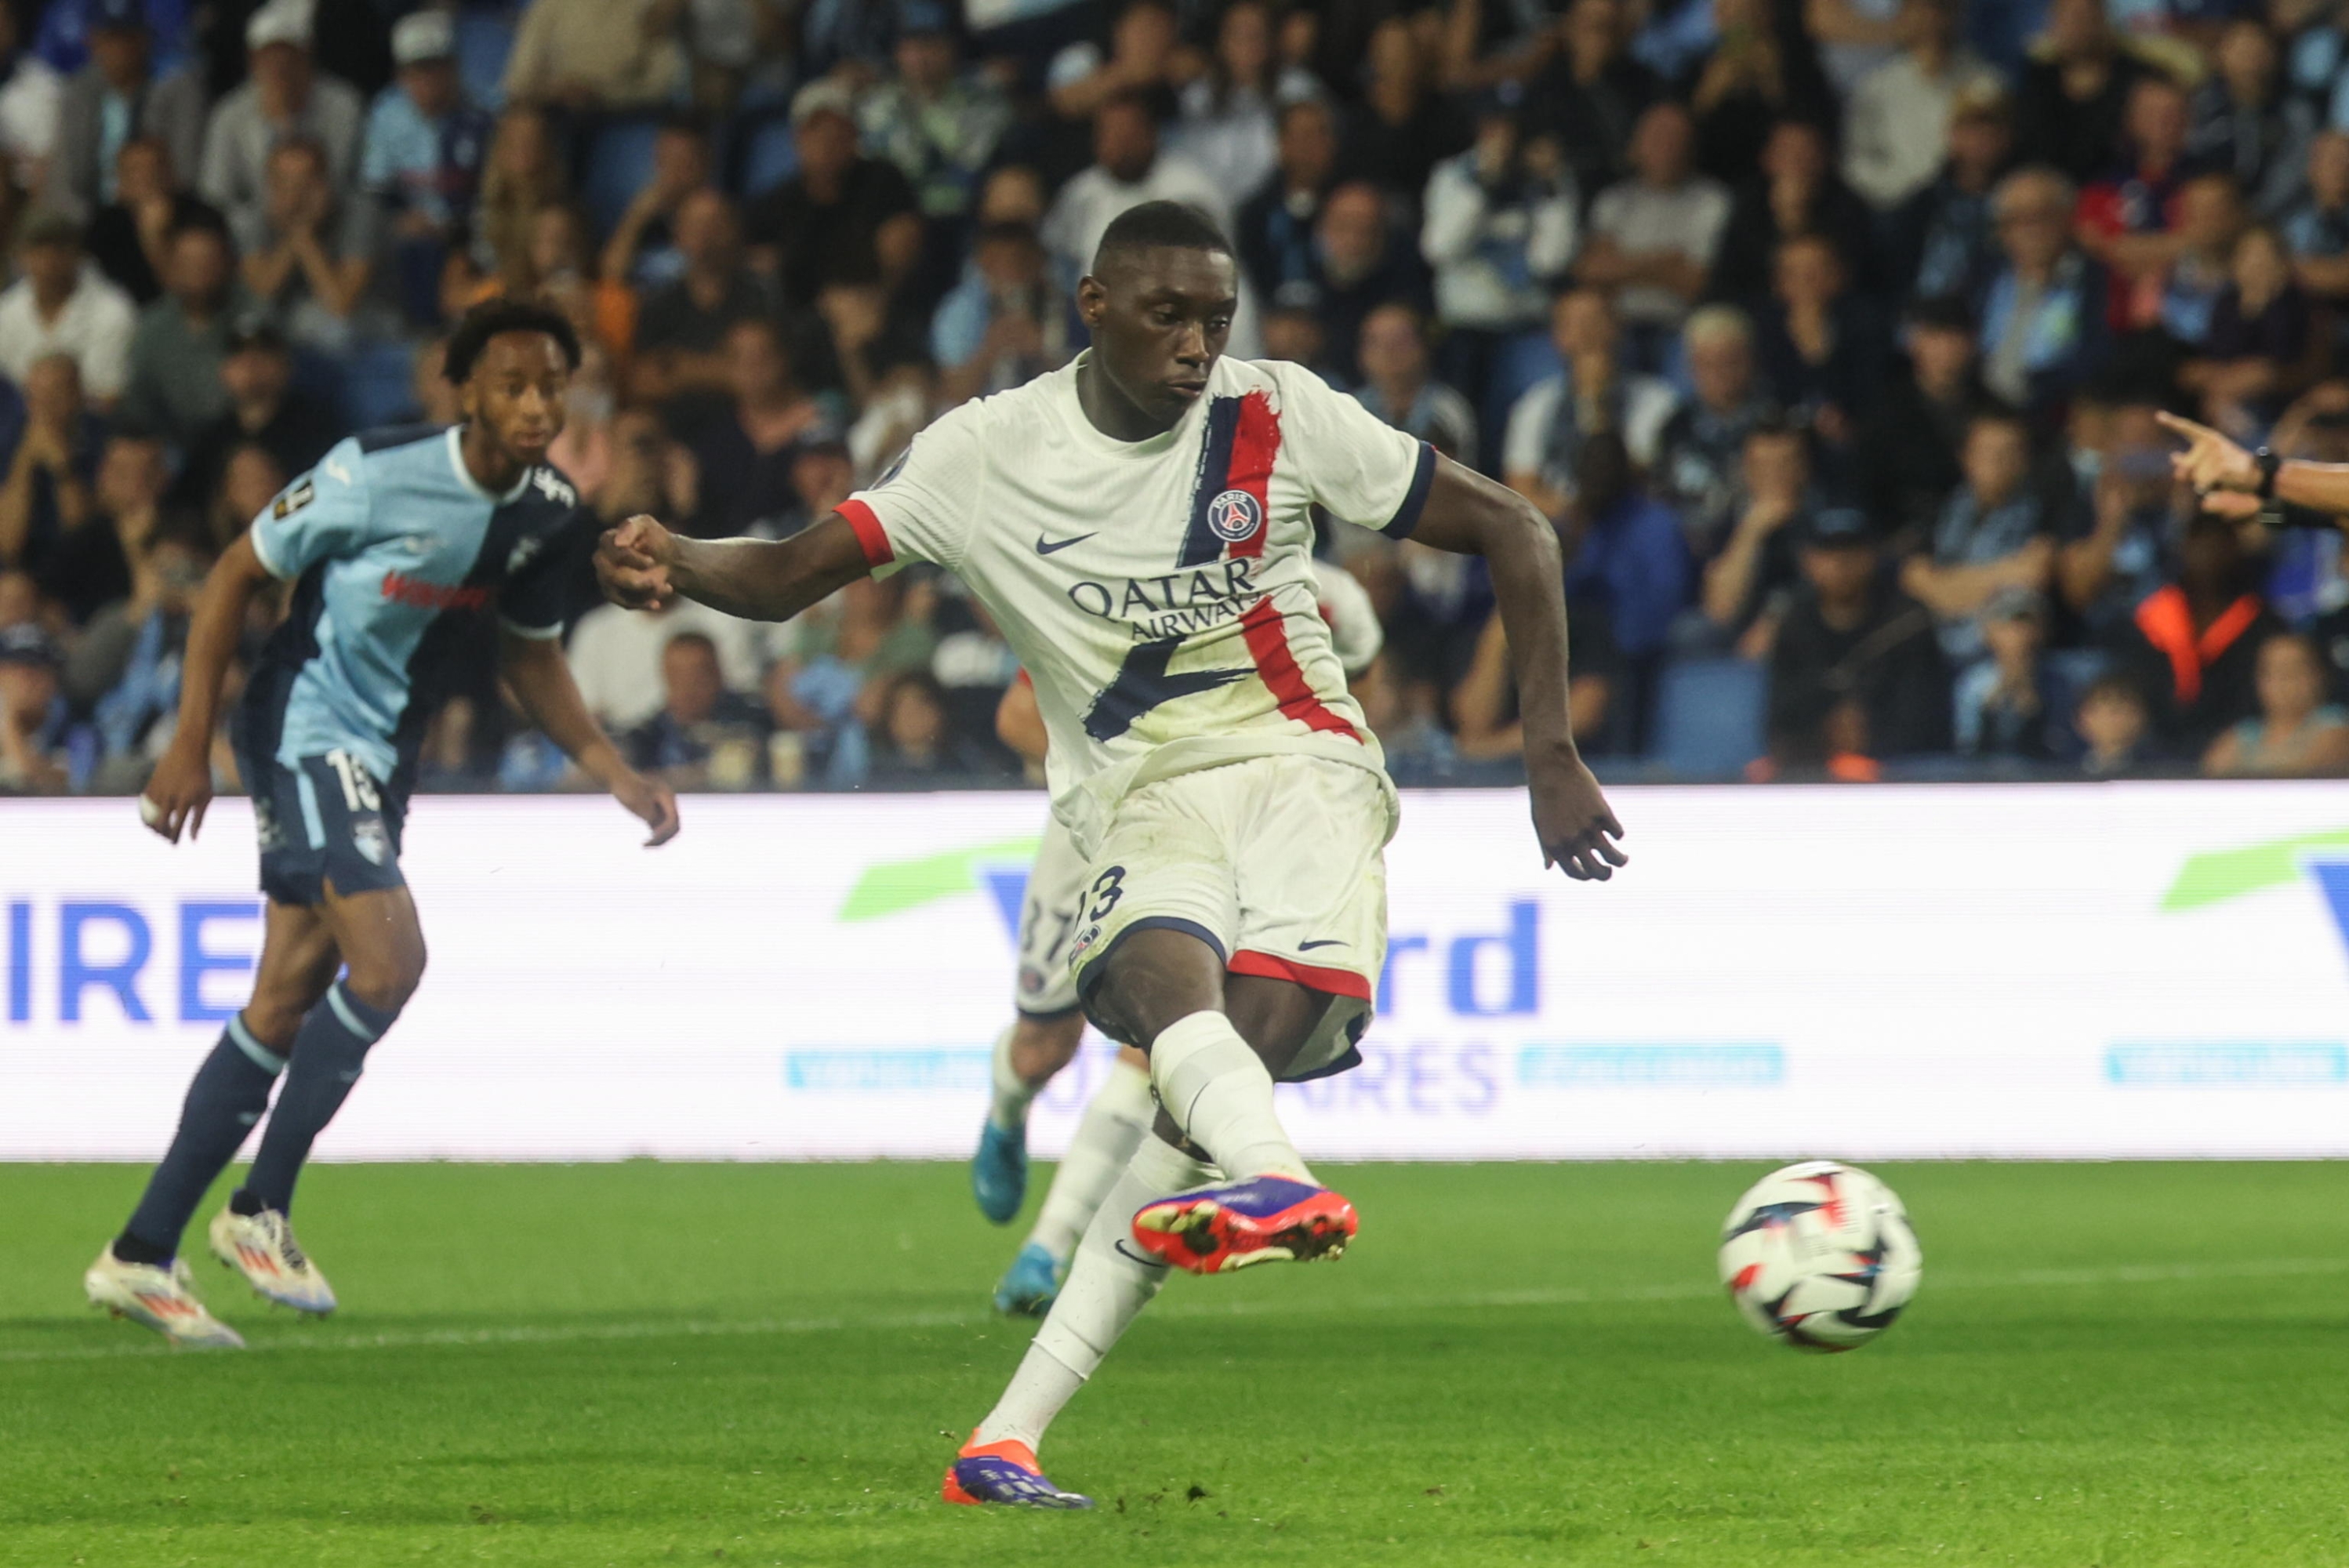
[(642, 566), (540, 681), (182, 787), (1469, 514), (2226, 477)]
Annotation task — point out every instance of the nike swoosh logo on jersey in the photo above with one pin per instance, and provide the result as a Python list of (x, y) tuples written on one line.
[(1325, 942), (1044, 547)]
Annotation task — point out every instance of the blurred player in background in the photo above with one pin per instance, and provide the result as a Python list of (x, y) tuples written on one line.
[(1140, 526), (396, 543), (1051, 1026)]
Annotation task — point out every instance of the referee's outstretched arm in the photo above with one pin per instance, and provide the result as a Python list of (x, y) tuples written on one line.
[(2238, 482)]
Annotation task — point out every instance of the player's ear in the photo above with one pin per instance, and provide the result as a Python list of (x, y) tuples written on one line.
[(1092, 299)]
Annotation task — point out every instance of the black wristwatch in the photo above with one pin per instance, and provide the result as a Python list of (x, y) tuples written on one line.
[(2267, 459)]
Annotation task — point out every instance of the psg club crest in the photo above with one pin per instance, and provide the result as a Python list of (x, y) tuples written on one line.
[(1234, 515)]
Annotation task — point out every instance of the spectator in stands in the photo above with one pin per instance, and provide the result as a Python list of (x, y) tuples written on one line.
[(1745, 585), (2008, 704), (1144, 49), (2317, 229), (1363, 263), (2194, 642), (522, 176), (129, 237), (424, 147), (939, 126), (1225, 119), (1821, 343), (2115, 729), (1907, 455), (33, 716), (63, 304), (2130, 216), (174, 386), (2263, 347), (1996, 532), (703, 737), (1594, 390), (1501, 224), (287, 98), (643, 249), (1398, 386), (843, 220), (2247, 125), (2043, 317), (1943, 242), (1796, 193), (588, 55), (1403, 127), (1006, 323), (2074, 99), (1855, 668), (1762, 70), (2297, 733), (1593, 93), (1293, 332), (45, 497), (1703, 441), (2209, 222), (1625, 551), (2119, 552), (125, 669), (1897, 129), (250, 480), (914, 746), (93, 565), (1485, 720), (257, 375), (1128, 168), (681, 331), (1654, 236), (1275, 228), (745, 457), (309, 251), (114, 98)]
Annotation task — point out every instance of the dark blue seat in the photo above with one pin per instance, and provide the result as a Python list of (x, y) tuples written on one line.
[(1709, 716), (618, 164)]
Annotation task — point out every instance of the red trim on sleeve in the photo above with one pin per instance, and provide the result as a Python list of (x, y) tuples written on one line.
[(1256, 445), (1337, 982), (1267, 643), (870, 537)]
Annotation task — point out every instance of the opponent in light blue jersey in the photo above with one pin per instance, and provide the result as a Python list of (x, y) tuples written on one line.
[(396, 543)]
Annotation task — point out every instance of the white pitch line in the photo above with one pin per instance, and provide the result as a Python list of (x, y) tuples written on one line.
[(319, 1340)]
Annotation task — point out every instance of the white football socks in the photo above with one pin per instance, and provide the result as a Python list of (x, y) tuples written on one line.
[(1115, 1122), (1009, 1109), (1219, 1092), (1106, 1288)]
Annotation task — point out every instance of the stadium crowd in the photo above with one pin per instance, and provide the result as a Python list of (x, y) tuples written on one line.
[(1830, 334)]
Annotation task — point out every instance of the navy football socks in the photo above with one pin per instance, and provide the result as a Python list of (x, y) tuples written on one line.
[(328, 1056), (230, 1092)]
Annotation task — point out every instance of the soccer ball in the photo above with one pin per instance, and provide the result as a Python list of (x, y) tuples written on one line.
[(1820, 1255)]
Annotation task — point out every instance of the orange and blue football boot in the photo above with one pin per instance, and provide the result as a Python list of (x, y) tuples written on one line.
[(1265, 1219), (1005, 1473)]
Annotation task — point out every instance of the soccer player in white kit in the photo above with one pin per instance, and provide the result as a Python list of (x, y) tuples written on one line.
[(1050, 1024), (1139, 526)]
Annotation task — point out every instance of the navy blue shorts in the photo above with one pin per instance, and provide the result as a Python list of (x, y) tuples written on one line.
[(324, 820)]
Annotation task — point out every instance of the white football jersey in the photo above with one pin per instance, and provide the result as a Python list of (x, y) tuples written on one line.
[(1161, 594)]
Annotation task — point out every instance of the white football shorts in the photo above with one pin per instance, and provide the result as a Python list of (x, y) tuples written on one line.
[(1278, 863)]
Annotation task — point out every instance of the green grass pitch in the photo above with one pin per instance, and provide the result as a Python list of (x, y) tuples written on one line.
[(2113, 1365)]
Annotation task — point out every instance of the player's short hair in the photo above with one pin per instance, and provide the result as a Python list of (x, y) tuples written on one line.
[(494, 317), (695, 642), (1160, 226)]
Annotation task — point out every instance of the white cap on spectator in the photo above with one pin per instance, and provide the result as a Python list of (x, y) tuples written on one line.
[(279, 22), (820, 95), (421, 36)]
